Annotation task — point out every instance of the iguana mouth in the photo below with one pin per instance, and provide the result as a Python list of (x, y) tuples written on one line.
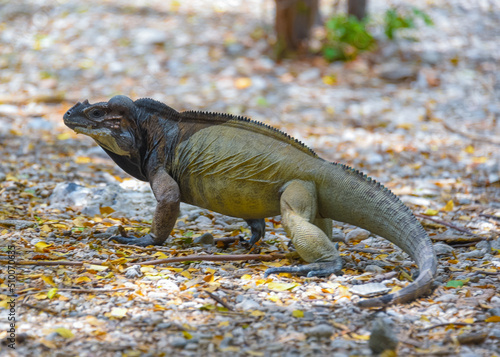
[(107, 124)]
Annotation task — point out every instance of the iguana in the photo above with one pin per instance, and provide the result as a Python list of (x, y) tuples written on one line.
[(246, 169)]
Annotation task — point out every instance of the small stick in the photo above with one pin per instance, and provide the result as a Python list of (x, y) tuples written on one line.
[(216, 258), (447, 224), (219, 300)]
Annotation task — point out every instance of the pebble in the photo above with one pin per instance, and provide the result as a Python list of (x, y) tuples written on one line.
[(382, 336), (133, 272), (320, 331), (477, 254), (374, 269), (357, 234), (443, 249), (205, 238), (370, 289)]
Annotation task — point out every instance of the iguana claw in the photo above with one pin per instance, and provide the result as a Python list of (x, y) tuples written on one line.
[(258, 228), (143, 241), (313, 269)]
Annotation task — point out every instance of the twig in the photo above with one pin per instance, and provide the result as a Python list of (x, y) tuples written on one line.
[(44, 309), (446, 324), (49, 263), (219, 300), (489, 216), (447, 224), (216, 258), (85, 291), (364, 250), (474, 137)]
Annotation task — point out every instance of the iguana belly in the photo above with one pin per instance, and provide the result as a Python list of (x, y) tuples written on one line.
[(236, 172)]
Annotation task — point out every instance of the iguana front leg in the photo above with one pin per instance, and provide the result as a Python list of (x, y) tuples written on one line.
[(167, 195), (298, 209), (258, 228)]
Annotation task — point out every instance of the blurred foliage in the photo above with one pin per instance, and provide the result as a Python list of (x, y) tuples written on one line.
[(395, 20), (346, 37)]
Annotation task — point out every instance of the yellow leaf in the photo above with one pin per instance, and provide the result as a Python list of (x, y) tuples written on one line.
[(41, 247), (246, 277), (257, 313), (95, 267), (210, 270), (187, 335), (187, 274), (48, 280), (281, 286), (298, 313), (493, 319), (274, 298), (360, 337), (431, 212), (469, 320), (64, 136), (46, 228), (469, 149), (82, 279), (449, 206), (82, 160), (223, 323), (106, 210), (160, 255), (64, 332), (40, 296), (330, 80), (242, 82)]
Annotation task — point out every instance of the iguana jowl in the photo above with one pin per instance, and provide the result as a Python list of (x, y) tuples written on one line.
[(246, 169)]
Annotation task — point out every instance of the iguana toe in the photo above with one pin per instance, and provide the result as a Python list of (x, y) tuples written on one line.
[(313, 269), (143, 241)]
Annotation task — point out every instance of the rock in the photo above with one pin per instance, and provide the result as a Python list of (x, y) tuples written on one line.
[(205, 238), (370, 289), (179, 342), (447, 298), (374, 269), (338, 235), (475, 254), (382, 336), (397, 73), (357, 234), (2, 176), (17, 223), (248, 304), (149, 36), (443, 249), (494, 311), (320, 331), (133, 272)]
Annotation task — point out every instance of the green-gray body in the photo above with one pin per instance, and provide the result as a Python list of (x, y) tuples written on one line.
[(246, 169)]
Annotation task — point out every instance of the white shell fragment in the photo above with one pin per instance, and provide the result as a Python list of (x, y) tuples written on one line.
[(370, 289)]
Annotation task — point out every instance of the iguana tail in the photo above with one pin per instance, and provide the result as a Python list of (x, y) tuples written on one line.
[(348, 196)]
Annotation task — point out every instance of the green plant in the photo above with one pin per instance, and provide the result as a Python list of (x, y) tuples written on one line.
[(395, 20), (345, 38)]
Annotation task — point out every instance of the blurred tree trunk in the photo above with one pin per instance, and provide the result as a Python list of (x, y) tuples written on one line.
[(357, 8), (294, 20)]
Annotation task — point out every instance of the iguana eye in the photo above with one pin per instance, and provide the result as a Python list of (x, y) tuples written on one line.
[(96, 113)]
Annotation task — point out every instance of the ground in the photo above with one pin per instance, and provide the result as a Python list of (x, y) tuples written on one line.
[(420, 115)]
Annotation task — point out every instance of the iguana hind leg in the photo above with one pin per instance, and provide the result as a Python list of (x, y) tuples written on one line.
[(298, 211), (258, 228)]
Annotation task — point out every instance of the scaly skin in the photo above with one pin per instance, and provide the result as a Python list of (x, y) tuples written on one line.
[(246, 169)]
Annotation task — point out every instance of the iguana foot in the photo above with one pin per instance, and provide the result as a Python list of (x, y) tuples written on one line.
[(258, 228), (313, 269), (143, 241)]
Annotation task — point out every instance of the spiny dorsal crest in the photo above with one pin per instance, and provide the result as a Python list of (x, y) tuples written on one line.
[(245, 123)]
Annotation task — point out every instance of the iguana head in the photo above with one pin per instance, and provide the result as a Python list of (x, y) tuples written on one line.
[(113, 125), (110, 124)]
